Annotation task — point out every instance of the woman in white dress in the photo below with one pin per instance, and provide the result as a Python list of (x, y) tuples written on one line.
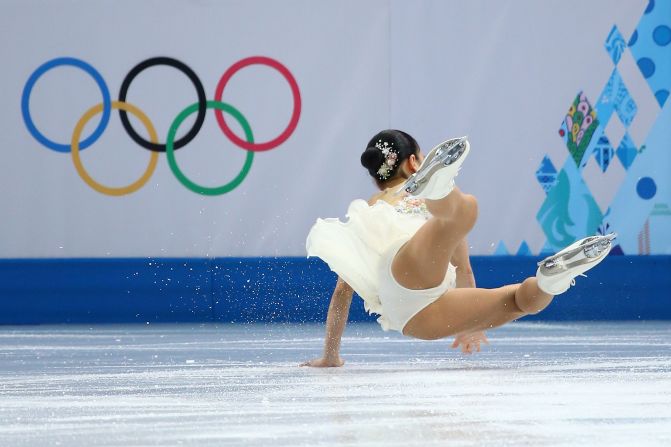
[(405, 253)]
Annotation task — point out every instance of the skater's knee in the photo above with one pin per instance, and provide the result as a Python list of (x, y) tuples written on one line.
[(530, 299), (468, 211), (471, 204)]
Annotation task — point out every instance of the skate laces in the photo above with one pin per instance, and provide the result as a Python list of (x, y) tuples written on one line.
[(573, 279)]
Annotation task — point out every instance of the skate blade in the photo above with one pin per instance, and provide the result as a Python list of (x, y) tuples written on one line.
[(446, 154), (592, 248)]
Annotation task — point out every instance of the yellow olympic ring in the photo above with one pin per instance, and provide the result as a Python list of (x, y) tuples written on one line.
[(153, 160)]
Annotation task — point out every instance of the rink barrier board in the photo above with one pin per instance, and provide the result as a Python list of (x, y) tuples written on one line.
[(284, 289)]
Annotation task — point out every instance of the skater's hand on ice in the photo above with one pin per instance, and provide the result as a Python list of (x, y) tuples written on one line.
[(324, 362), (470, 342)]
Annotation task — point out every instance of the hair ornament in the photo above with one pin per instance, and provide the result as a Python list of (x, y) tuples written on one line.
[(390, 159)]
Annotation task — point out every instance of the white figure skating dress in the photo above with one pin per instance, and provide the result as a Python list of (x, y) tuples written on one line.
[(362, 249)]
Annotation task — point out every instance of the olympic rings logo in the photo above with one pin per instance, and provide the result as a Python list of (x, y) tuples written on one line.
[(171, 145)]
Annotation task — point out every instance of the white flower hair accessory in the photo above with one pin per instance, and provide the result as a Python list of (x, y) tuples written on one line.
[(390, 158)]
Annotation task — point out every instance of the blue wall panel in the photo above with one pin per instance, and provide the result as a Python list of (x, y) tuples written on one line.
[(283, 289), (101, 290), (620, 288)]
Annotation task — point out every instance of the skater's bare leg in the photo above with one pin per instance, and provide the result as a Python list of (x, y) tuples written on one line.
[(422, 262), (469, 310)]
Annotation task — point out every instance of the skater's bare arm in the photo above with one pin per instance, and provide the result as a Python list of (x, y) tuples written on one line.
[(336, 319), (461, 260), (468, 342)]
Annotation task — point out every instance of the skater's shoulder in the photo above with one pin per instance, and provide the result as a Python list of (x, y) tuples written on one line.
[(376, 197), (389, 195)]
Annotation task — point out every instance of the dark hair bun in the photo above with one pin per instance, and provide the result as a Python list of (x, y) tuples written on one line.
[(371, 159), (398, 142)]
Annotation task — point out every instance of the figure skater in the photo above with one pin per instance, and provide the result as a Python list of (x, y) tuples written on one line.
[(405, 253)]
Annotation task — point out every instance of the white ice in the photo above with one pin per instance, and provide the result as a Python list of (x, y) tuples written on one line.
[(230, 385)]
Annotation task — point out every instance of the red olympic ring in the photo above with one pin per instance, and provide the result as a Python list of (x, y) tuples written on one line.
[(293, 122)]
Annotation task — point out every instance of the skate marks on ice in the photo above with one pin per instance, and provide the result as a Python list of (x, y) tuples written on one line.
[(536, 384)]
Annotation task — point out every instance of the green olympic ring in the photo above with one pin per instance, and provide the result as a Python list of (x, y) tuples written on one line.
[(170, 150)]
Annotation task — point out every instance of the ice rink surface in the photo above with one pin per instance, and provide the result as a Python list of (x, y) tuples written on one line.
[(573, 384)]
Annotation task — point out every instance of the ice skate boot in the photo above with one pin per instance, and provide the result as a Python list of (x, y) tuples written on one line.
[(435, 177), (557, 273)]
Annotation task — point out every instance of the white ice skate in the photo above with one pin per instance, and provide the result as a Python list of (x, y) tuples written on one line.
[(435, 177), (557, 273)]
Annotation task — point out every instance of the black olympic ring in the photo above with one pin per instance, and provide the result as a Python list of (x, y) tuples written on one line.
[(202, 102)]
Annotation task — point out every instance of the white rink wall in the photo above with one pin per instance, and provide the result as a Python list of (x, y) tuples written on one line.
[(504, 73)]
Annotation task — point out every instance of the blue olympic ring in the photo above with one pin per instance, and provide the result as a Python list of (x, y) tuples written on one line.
[(25, 103)]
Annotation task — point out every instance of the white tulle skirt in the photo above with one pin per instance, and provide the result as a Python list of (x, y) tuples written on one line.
[(356, 251)]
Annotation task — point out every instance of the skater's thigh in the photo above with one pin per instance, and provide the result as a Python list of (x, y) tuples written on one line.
[(464, 310), (422, 262)]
